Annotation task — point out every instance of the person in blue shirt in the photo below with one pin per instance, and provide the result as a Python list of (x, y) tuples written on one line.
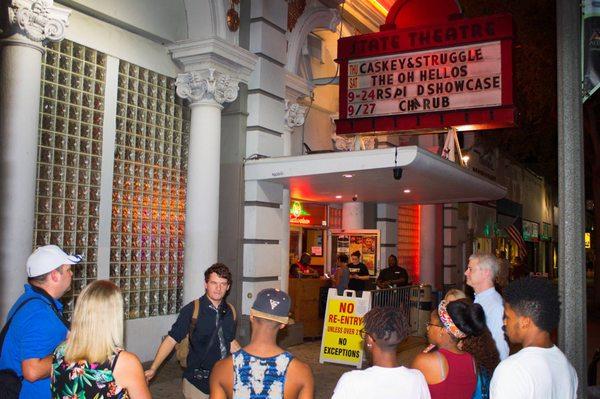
[(38, 327)]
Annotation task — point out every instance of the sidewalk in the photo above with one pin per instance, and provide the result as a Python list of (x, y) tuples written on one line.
[(167, 384)]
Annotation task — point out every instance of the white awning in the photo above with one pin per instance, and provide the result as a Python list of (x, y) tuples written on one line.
[(426, 177)]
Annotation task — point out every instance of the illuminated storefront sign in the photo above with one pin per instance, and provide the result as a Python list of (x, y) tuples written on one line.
[(456, 74), (588, 241), (298, 215), (308, 214)]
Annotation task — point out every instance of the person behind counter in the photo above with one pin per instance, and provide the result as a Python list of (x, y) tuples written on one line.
[(341, 278), (359, 274), (393, 276), (302, 269)]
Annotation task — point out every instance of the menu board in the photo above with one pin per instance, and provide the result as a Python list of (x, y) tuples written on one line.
[(366, 243)]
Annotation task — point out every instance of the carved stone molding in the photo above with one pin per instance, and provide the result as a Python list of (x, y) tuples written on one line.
[(38, 20), (314, 16), (207, 86), (294, 114)]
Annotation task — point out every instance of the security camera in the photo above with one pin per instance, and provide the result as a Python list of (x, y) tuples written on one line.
[(354, 197), (397, 172)]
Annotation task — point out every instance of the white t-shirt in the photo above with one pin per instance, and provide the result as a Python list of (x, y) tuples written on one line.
[(534, 373), (382, 383)]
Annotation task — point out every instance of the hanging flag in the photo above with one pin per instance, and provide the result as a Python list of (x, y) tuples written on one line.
[(515, 234)]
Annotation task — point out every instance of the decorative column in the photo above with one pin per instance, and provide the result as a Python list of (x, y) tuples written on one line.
[(206, 91), (214, 68), (30, 23), (294, 117)]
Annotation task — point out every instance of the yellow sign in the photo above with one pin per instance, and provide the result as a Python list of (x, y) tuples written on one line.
[(588, 241), (341, 341)]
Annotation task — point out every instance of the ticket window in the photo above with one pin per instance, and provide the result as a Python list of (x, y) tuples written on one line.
[(313, 243)]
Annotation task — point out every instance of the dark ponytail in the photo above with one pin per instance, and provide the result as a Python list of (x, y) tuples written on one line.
[(468, 317)]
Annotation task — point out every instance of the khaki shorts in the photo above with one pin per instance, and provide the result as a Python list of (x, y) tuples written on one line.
[(191, 392)]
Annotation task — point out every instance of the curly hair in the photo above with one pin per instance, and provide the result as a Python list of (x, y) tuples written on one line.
[(387, 325), (536, 298), (470, 319), (220, 269)]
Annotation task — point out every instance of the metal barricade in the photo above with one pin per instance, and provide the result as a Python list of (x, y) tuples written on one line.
[(414, 301)]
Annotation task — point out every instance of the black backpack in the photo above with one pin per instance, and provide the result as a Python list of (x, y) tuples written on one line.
[(10, 382)]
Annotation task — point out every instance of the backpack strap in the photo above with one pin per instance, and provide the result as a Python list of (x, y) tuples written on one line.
[(232, 311), (194, 320), (5, 329)]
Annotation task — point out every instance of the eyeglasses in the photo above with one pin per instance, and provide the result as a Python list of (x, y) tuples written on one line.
[(434, 325)]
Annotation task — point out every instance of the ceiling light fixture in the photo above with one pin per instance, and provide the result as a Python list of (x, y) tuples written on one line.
[(348, 176), (338, 196), (407, 191)]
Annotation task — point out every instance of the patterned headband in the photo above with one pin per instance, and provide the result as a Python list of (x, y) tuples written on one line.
[(447, 321)]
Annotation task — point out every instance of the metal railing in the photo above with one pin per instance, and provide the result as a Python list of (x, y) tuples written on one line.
[(411, 300)]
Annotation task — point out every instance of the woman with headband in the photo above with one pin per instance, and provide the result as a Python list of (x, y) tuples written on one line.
[(450, 371)]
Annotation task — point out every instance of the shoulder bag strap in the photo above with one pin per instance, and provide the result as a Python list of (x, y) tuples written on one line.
[(58, 314), (194, 320), (5, 328), (212, 340)]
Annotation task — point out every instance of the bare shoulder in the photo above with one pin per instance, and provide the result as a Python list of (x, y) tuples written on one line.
[(224, 364), (221, 379), (127, 360), (299, 371), (425, 362), (223, 370)]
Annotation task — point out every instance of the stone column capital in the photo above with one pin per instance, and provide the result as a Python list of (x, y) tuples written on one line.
[(208, 86), (294, 114), (37, 20)]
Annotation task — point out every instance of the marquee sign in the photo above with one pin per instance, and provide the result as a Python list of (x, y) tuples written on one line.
[(432, 77)]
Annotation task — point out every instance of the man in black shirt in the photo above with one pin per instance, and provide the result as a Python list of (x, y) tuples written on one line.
[(359, 274), (393, 276), (213, 337)]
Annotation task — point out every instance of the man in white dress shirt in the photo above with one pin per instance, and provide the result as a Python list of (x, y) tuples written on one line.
[(480, 273)]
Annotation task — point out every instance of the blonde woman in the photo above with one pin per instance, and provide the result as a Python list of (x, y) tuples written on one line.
[(90, 363), (454, 294)]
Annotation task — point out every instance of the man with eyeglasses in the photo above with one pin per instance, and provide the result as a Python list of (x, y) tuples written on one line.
[(384, 329), (36, 322)]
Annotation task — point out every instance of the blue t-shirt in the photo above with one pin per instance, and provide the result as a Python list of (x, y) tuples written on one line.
[(34, 333)]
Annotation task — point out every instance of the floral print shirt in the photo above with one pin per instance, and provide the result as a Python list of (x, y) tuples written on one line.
[(82, 380)]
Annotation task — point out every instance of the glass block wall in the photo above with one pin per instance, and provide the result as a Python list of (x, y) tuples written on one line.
[(148, 212), (69, 156)]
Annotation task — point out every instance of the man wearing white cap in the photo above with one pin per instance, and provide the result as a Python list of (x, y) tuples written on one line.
[(35, 322)]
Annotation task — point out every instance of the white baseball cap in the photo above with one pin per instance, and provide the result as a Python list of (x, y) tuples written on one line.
[(47, 258)]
